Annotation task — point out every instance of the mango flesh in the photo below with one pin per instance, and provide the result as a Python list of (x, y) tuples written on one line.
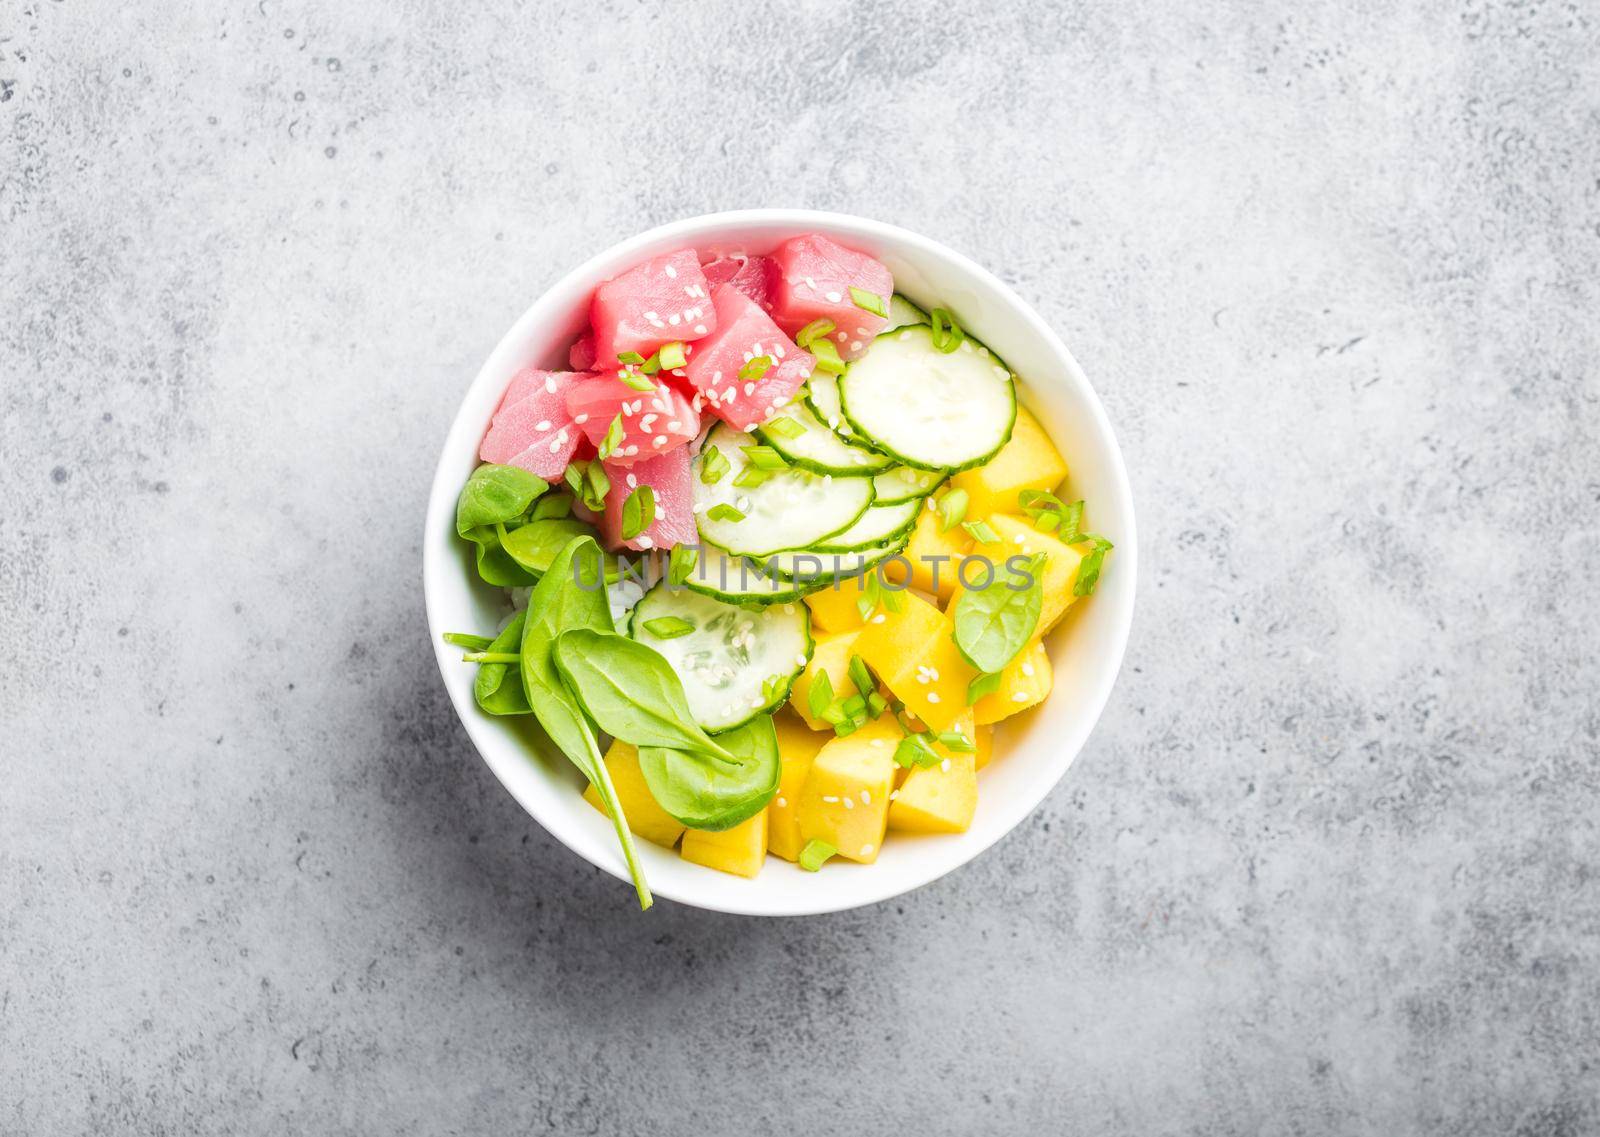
[(644, 816), (913, 652), (845, 799), (833, 609), (985, 741), (1024, 682), (797, 747), (1029, 461), (932, 555), (830, 654), (740, 850), (1018, 537), (937, 799)]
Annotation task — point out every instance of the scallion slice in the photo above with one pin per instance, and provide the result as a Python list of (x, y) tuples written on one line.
[(869, 301)]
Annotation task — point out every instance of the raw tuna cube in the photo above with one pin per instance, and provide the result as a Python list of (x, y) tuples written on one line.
[(653, 422), (749, 275), (668, 475), (743, 332), (662, 300), (532, 428), (580, 357), (812, 278)]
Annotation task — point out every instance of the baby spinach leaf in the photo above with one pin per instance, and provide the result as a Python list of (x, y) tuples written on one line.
[(705, 794), (1089, 568), (494, 495), (631, 691), (495, 565), (468, 641), (535, 545), (498, 687), (995, 623), (559, 602)]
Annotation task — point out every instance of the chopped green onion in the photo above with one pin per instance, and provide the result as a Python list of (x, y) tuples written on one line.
[(598, 486), (915, 751), (756, 368), (827, 356), (893, 600), (855, 706), (947, 334), (636, 381), (750, 477), (815, 855), (871, 594), (981, 686), (638, 512), (1089, 568), (467, 641), (952, 508), (722, 511), (847, 727), (668, 627), (1071, 528), (955, 741), (713, 465), (869, 301), (876, 704), (681, 562), (861, 677), (820, 697), (814, 330), (784, 428), (764, 458), (772, 687), (981, 532), (613, 438), (573, 476), (630, 357), (672, 355)]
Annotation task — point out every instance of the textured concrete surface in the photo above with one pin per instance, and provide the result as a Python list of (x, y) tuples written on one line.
[(1329, 864)]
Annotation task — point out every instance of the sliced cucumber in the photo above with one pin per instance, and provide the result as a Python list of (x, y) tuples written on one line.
[(791, 509), (822, 396), (819, 569), (879, 525), (902, 483), (930, 410), (737, 580), (735, 663), (820, 450), (903, 313)]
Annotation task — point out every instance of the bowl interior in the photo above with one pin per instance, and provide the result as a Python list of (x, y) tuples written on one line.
[(1032, 750)]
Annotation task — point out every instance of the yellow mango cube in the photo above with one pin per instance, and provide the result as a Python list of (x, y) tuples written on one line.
[(985, 742), (797, 747), (845, 799), (830, 654), (931, 555), (1019, 538), (833, 609), (937, 799), (740, 850), (913, 652), (1024, 682), (1029, 461), (644, 816)]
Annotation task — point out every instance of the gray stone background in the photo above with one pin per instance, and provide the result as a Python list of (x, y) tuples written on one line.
[(1327, 866)]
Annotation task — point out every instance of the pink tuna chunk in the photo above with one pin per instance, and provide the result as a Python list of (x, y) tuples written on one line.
[(653, 422), (580, 357), (532, 428), (662, 300), (811, 280), (668, 476), (743, 332), (749, 275)]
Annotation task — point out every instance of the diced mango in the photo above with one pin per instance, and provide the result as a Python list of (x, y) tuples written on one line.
[(845, 800), (1029, 461), (833, 609), (797, 746), (985, 741), (830, 654), (932, 556), (913, 652), (1019, 538), (644, 816), (740, 850), (1024, 682), (937, 799)]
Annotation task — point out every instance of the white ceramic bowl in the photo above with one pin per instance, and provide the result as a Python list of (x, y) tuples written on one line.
[(1032, 750)]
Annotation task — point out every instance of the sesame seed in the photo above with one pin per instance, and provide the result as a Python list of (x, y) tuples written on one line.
[(651, 316), (730, 394), (862, 332), (660, 441), (645, 541), (749, 388), (933, 696), (893, 794), (878, 619), (878, 744), (855, 345), (944, 767), (849, 803), (783, 803), (866, 850), (699, 329), (633, 481), (1020, 697), (581, 419), (800, 660), (672, 272), (866, 798), (831, 799), (550, 383), (630, 451), (674, 424), (542, 425), (674, 319), (1027, 669), (811, 284)]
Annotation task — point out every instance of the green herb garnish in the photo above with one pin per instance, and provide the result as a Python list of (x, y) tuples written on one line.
[(764, 458), (947, 334), (784, 428), (668, 627), (820, 697), (638, 512), (681, 562), (672, 356), (915, 751), (952, 508), (869, 302), (956, 742), (636, 380), (713, 465), (722, 511), (632, 358), (981, 532), (755, 368), (814, 330), (750, 477), (1089, 568), (815, 855), (861, 677), (612, 440), (828, 359), (981, 686)]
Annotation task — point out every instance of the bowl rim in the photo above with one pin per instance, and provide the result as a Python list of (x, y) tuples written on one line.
[(443, 493)]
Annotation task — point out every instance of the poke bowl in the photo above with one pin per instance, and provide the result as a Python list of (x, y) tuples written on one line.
[(682, 552)]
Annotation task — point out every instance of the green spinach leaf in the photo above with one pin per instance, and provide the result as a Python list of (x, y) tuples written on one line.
[(498, 687), (535, 545), (995, 623), (706, 794), (494, 495)]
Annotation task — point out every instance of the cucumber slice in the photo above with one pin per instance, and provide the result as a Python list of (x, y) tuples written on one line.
[(728, 657), (820, 450), (903, 313), (737, 580), (902, 483), (879, 525), (822, 396), (821, 569), (792, 509), (928, 409)]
